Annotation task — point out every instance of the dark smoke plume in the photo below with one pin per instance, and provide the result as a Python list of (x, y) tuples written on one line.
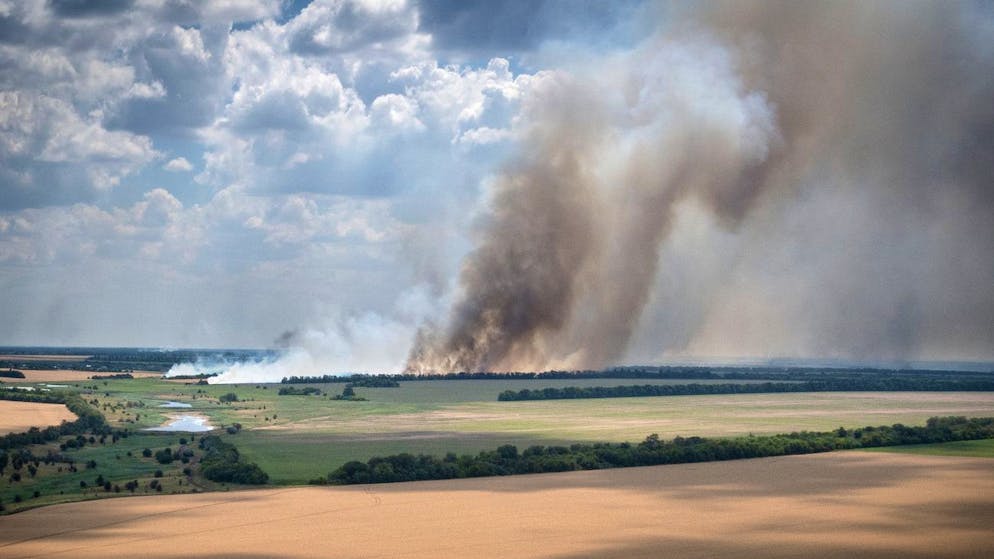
[(881, 112)]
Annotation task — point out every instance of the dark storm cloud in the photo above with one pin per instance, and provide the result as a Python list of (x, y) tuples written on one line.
[(89, 8), (195, 86)]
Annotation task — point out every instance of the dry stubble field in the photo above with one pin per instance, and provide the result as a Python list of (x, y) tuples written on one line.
[(843, 504)]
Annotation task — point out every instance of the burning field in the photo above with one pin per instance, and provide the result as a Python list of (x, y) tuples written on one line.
[(833, 505)]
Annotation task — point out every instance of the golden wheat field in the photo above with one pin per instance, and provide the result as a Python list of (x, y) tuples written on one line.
[(17, 417), (844, 504)]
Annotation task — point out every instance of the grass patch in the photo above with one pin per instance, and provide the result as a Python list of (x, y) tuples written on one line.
[(983, 448), (294, 458), (56, 484)]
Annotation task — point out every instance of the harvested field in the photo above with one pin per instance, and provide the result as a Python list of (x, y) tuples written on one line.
[(846, 504), (621, 419), (69, 375), (17, 417)]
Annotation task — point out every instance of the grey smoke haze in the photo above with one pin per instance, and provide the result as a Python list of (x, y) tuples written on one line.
[(844, 150)]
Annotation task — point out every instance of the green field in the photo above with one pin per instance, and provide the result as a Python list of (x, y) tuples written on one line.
[(299, 438), (977, 449), (344, 431), (117, 463)]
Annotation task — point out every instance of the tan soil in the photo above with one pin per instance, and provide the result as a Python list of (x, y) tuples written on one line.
[(845, 505), (17, 417), (69, 375)]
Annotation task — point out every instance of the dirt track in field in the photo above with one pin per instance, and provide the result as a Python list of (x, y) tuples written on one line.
[(17, 417), (847, 504)]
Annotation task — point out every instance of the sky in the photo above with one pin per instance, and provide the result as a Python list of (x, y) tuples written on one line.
[(363, 181)]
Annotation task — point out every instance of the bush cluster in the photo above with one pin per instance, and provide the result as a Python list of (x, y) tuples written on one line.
[(293, 391), (221, 462)]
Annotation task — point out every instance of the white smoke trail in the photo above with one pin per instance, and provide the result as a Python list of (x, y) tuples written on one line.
[(367, 343)]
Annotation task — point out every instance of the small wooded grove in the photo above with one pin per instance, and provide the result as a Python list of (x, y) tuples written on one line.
[(507, 460), (694, 389), (222, 462)]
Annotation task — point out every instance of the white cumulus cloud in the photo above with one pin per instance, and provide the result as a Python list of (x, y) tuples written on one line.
[(178, 165)]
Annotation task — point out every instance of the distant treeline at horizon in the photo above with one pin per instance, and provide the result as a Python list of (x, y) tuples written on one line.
[(119, 359), (696, 389), (657, 372)]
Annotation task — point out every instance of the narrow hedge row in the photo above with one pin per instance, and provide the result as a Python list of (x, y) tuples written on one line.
[(696, 389), (506, 460)]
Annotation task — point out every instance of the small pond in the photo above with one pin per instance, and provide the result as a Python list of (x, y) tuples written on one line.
[(189, 423), (175, 405)]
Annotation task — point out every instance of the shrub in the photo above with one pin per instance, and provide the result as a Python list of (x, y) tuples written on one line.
[(164, 456)]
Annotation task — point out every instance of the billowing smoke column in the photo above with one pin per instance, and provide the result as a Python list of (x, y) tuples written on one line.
[(744, 110)]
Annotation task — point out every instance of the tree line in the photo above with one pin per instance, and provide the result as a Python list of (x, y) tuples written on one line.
[(113, 376), (393, 380), (696, 389), (507, 460), (653, 372), (294, 391), (365, 381)]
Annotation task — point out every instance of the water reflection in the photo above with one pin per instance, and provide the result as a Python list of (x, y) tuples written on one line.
[(186, 422), (175, 405)]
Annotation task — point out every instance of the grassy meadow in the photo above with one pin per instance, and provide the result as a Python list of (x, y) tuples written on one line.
[(983, 448)]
